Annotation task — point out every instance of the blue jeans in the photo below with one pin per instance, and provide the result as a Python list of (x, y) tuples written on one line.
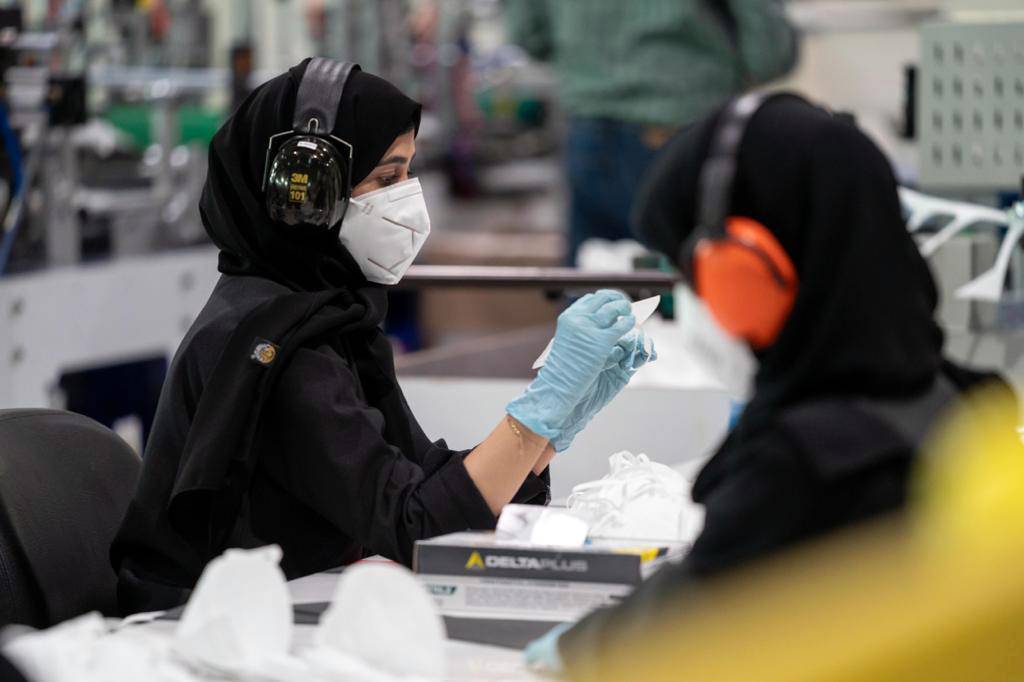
[(605, 161)]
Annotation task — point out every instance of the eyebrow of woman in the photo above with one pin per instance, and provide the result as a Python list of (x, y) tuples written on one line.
[(396, 159)]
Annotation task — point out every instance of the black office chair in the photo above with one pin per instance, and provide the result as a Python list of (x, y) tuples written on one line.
[(65, 483)]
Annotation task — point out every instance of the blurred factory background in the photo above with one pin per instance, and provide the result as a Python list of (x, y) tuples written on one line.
[(108, 107)]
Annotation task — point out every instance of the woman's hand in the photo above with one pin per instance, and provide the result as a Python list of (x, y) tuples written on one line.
[(587, 333), (629, 355)]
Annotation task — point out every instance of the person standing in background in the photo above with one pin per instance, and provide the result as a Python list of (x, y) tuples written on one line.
[(631, 73)]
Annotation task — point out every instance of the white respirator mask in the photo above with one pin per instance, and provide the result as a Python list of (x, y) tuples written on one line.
[(729, 361), (385, 229)]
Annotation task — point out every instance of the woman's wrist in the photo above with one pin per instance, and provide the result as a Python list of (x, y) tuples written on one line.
[(532, 443), (527, 438), (536, 410)]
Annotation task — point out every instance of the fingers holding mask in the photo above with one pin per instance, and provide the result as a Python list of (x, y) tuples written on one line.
[(631, 352), (593, 356), (586, 333)]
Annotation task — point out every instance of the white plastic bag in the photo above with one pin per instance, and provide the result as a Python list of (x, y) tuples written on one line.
[(638, 500)]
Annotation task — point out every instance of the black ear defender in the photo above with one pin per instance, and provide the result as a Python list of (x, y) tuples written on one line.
[(307, 176)]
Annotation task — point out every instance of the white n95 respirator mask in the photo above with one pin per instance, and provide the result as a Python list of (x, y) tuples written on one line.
[(385, 229), (728, 360)]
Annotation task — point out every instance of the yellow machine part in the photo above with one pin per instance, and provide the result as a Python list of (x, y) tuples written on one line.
[(936, 594)]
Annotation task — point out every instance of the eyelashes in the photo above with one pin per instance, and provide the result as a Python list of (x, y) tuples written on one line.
[(389, 180)]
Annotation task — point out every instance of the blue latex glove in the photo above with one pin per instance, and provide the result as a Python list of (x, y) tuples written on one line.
[(542, 653), (629, 355), (587, 332)]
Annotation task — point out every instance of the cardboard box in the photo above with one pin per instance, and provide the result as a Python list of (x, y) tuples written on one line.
[(474, 574)]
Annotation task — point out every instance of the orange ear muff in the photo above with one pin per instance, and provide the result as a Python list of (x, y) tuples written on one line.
[(747, 280)]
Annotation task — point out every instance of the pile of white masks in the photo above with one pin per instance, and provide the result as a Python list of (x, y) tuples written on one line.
[(238, 626), (540, 526), (638, 500)]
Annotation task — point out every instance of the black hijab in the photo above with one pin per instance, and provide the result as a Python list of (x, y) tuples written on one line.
[(863, 322), (371, 115)]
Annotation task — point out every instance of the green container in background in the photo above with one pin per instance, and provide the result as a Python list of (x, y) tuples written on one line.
[(198, 124)]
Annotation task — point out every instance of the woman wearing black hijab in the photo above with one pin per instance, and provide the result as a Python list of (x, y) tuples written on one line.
[(847, 386), (281, 420)]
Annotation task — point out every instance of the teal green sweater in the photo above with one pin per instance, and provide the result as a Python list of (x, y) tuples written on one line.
[(658, 62)]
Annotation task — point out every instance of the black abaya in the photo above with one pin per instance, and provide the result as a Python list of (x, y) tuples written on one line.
[(281, 420), (844, 398)]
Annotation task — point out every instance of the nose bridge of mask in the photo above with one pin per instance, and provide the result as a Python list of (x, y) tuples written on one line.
[(405, 189), (387, 204), (381, 198)]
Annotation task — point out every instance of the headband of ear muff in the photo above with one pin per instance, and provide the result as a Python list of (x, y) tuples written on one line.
[(307, 177), (735, 263), (319, 94)]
